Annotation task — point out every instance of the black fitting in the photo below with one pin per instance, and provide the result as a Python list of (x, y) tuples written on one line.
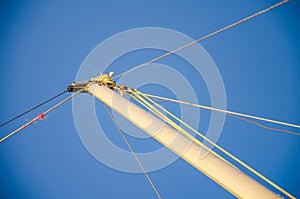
[(70, 88)]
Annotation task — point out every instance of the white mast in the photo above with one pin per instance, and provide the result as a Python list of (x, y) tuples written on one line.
[(212, 165)]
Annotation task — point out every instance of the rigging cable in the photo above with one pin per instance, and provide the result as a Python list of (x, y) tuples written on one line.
[(37, 106), (205, 37), (265, 127), (142, 99), (132, 151), (39, 116), (238, 115)]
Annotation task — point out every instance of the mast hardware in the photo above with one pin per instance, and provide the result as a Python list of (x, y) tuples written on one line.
[(101, 80)]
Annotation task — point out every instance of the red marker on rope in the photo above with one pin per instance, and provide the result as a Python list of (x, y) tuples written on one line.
[(39, 116)]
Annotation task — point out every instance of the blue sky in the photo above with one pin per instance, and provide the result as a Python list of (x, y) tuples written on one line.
[(43, 44)]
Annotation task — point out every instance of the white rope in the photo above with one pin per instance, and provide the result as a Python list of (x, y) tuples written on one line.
[(147, 102), (40, 116), (224, 111), (205, 37), (133, 153)]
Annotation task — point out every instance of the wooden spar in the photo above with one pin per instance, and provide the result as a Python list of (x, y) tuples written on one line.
[(215, 167)]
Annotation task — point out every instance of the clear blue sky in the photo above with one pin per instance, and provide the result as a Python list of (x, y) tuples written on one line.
[(43, 43)]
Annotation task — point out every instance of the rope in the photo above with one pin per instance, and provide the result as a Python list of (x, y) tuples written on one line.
[(139, 94), (39, 116), (234, 114), (173, 124), (28, 111), (133, 153), (203, 38), (265, 127)]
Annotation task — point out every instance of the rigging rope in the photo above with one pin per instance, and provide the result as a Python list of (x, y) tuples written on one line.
[(265, 127), (141, 100), (37, 106), (132, 151), (238, 115), (148, 104), (173, 124), (205, 37), (39, 116)]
